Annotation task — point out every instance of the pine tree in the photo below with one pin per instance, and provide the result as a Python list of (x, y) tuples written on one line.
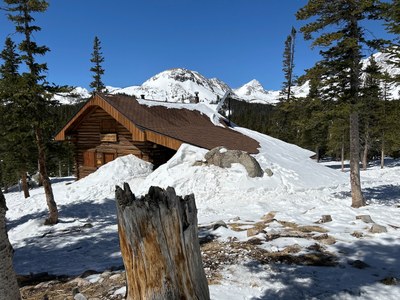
[(369, 107), (34, 92), (11, 61), (392, 12), (97, 59), (16, 140), (337, 25), (288, 64)]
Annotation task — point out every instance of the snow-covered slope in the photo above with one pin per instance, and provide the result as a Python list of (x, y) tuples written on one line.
[(78, 94), (177, 85), (298, 194)]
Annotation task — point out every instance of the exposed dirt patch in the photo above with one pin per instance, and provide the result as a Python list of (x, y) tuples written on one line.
[(102, 289), (216, 255)]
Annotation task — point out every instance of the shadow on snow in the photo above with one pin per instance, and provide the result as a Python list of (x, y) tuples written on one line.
[(92, 245), (382, 195), (342, 281)]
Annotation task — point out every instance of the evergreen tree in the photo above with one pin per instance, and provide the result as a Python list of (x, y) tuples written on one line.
[(11, 62), (34, 94), (391, 12), (337, 25), (369, 107), (288, 64), (16, 139), (98, 71)]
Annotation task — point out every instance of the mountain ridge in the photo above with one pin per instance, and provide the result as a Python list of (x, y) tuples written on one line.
[(180, 85)]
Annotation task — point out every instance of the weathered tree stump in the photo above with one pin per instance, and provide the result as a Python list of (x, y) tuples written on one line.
[(8, 281), (159, 245)]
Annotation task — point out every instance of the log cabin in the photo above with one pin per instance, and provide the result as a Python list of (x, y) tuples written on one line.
[(110, 126)]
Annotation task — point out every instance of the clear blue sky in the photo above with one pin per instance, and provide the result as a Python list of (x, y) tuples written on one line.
[(233, 40)]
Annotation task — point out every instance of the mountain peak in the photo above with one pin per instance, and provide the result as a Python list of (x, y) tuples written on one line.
[(250, 88), (253, 91), (255, 84)]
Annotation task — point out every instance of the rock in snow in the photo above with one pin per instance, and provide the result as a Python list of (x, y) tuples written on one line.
[(224, 158)]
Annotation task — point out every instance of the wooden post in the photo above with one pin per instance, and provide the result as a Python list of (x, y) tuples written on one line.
[(159, 245)]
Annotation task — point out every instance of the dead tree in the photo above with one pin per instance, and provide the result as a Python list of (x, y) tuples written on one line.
[(159, 245)]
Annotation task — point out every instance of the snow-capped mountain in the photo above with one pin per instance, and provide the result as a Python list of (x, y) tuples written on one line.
[(254, 92), (180, 85)]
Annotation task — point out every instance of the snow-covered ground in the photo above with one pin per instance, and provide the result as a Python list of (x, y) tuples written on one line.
[(300, 191)]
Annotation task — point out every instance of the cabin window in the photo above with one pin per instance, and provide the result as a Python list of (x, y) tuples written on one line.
[(108, 126)]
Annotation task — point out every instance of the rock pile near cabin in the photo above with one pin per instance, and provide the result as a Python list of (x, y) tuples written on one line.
[(224, 158)]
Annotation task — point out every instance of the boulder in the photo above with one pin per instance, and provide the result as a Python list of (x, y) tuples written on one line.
[(324, 219), (365, 218), (377, 229), (219, 224), (224, 158), (268, 172)]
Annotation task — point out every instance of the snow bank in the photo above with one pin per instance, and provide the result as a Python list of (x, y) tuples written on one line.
[(223, 193), (292, 164), (101, 184)]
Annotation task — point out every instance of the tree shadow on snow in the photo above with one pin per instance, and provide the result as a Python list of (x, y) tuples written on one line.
[(342, 281), (71, 250), (338, 166), (383, 195)]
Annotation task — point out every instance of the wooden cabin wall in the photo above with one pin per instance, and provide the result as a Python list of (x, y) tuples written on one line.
[(87, 138)]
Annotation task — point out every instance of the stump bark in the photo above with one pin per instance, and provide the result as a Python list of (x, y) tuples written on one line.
[(8, 280), (159, 245)]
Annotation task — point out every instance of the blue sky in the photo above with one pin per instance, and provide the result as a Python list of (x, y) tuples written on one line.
[(233, 40)]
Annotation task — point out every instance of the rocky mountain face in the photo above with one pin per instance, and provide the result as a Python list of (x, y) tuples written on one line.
[(180, 85)]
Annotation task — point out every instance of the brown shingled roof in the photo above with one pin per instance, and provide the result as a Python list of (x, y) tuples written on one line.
[(188, 126)]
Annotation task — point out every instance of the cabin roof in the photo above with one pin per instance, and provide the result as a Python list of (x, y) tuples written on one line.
[(158, 122)]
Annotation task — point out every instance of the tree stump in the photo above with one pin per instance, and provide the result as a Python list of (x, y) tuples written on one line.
[(159, 245), (8, 281)]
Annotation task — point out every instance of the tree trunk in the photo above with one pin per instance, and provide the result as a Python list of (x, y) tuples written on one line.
[(25, 187), (51, 204), (8, 281), (159, 245), (59, 169), (40, 181), (383, 151), (356, 193), (365, 152), (342, 156), (317, 153)]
